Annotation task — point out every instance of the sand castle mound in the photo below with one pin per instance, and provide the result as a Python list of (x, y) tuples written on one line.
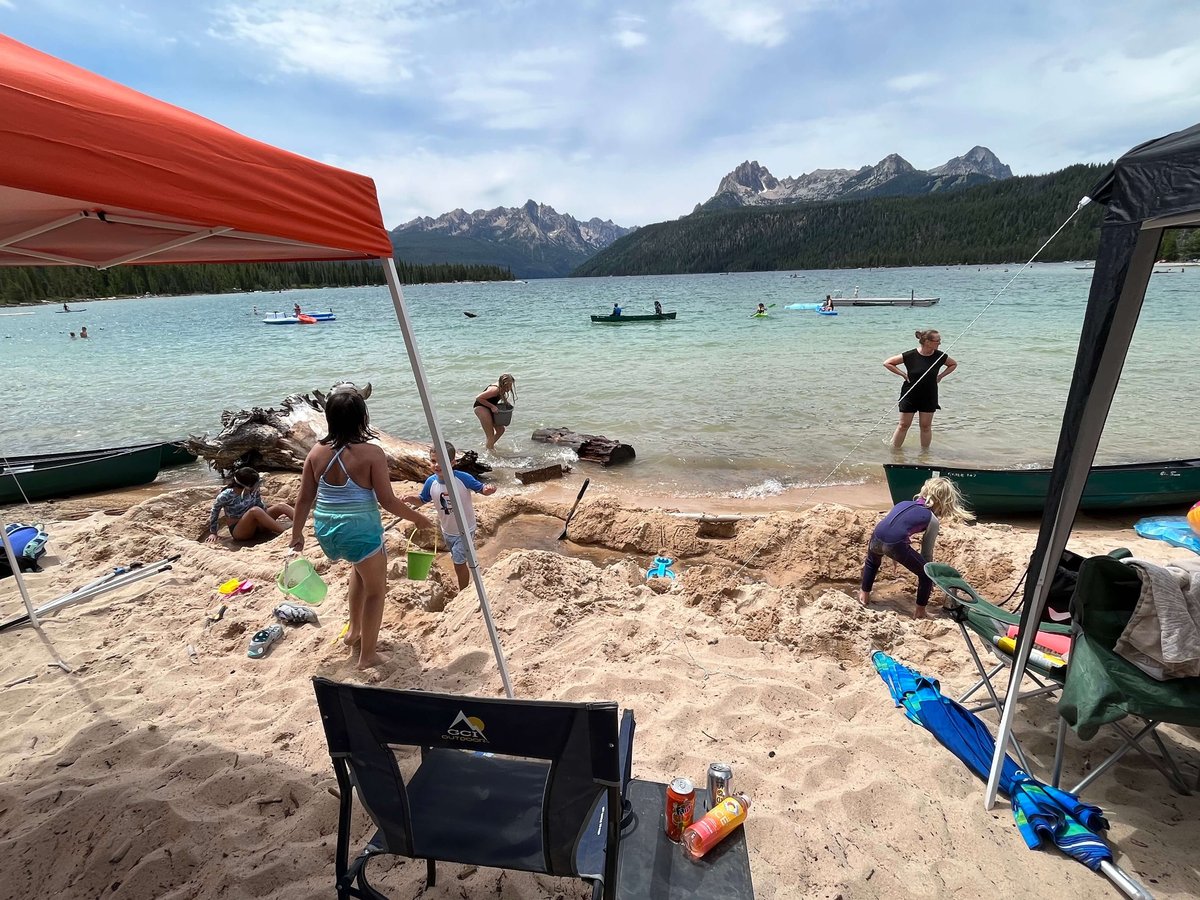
[(168, 765)]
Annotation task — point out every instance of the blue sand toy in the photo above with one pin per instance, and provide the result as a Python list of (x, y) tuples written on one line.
[(661, 568), (1172, 529)]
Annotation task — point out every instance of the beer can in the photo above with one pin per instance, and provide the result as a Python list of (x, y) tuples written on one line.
[(720, 780), (681, 807)]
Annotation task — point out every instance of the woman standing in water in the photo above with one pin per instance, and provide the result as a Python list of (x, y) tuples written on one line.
[(503, 391), (921, 378)]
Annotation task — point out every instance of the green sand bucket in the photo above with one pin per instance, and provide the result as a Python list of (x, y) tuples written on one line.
[(420, 561), (300, 580)]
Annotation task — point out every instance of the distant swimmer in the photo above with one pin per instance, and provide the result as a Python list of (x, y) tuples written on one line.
[(72, 335), (83, 332)]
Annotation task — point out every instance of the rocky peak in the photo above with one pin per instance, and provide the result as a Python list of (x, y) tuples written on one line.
[(751, 176), (976, 161), (892, 165)]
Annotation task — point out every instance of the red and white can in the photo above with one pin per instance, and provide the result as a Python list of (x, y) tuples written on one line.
[(681, 808)]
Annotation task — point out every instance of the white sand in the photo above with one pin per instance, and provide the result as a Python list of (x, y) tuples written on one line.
[(155, 772)]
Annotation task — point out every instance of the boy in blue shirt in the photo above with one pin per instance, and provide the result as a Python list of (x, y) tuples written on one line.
[(434, 490)]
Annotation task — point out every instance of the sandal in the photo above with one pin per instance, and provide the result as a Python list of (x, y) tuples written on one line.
[(291, 614), (261, 643)]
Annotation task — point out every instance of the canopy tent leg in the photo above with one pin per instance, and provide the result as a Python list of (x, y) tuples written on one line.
[(1101, 356), (439, 447)]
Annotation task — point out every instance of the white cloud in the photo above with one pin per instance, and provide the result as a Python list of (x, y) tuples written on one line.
[(629, 30), (629, 39), (744, 21), (358, 43), (913, 82)]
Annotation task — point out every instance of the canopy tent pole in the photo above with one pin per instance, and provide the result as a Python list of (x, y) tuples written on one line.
[(1114, 306), (439, 447)]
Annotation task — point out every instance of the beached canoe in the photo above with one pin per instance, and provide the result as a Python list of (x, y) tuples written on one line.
[(629, 320), (82, 472), (997, 492)]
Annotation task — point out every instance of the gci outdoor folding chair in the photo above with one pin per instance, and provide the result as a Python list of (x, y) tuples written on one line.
[(1101, 687), (990, 624), (513, 784)]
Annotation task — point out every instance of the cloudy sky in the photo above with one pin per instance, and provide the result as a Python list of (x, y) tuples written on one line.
[(635, 111)]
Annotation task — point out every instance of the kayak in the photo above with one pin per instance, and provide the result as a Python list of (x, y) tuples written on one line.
[(760, 315), (306, 320)]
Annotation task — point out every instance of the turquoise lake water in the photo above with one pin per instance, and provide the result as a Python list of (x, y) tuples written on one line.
[(714, 403)]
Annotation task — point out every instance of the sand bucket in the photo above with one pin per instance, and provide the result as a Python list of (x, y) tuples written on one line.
[(503, 414), (420, 561), (300, 580)]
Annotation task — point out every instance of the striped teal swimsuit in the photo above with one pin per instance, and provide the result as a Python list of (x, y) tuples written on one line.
[(346, 519)]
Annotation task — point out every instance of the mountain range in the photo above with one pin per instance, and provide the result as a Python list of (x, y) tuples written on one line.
[(752, 184), (536, 241), (533, 240)]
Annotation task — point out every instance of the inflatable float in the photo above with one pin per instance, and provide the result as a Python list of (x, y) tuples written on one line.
[(826, 312), (1175, 530), (304, 319), (805, 306)]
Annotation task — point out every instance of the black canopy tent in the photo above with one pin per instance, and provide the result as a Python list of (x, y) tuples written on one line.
[(1153, 187)]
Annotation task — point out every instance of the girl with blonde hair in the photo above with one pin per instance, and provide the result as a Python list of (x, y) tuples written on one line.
[(938, 500), (487, 405)]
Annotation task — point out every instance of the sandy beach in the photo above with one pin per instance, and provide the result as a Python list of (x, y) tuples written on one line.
[(168, 765)]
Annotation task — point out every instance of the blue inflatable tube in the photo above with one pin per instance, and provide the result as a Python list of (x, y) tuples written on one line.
[(1175, 530)]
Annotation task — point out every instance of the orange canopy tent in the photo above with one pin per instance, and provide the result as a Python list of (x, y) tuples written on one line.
[(97, 174), (94, 173)]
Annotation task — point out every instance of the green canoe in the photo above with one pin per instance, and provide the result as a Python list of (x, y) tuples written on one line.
[(999, 492), (83, 472), (629, 320)]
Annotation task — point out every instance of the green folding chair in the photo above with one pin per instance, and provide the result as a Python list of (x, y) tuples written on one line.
[(1101, 688)]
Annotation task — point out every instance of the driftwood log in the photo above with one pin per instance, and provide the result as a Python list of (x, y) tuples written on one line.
[(590, 447), (545, 473), (280, 438)]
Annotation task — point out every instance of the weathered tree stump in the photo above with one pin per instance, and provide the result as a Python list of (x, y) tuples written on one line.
[(545, 473), (589, 447), (469, 462)]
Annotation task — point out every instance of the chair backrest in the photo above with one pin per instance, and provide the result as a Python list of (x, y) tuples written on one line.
[(1105, 597), (579, 741)]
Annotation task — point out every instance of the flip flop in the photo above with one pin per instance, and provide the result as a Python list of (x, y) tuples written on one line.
[(261, 643)]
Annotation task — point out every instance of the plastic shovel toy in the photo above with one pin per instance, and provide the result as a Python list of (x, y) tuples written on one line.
[(235, 586)]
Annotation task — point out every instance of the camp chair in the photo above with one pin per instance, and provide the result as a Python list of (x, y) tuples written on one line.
[(989, 623), (1101, 687), (513, 784)]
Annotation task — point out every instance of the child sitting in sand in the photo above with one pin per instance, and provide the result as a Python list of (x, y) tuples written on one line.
[(347, 479), (939, 499), (435, 490), (244, 509)]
